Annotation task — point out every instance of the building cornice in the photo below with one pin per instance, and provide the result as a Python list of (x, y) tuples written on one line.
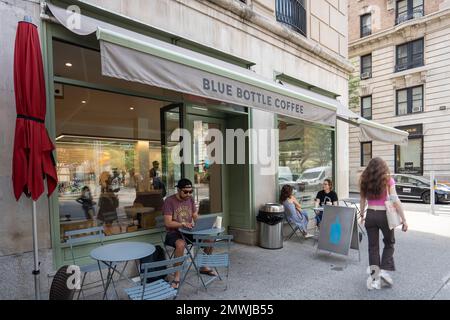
[(247, 13), (409, 30)]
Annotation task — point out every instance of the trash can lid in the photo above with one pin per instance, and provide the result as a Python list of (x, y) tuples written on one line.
[(272, 208)]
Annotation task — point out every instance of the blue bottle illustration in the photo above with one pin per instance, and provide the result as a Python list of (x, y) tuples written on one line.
[(335, 232)]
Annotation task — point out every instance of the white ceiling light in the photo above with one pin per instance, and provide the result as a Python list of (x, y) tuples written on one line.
[(68, 64), (131, 108), (83, 102)]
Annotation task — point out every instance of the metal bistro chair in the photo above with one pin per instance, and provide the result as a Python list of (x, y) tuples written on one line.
[(170, 251), (213, 260), (151, 289), (294, 227), (82, 236)]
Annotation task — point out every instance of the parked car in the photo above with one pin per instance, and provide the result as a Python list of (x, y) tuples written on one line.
[(410, 187), (312, 179), (284, 174)]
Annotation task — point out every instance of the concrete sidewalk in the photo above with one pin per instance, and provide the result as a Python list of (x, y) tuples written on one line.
[(296, 272)]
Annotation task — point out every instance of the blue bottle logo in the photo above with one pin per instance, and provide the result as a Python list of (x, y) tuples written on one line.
[(335, 232)]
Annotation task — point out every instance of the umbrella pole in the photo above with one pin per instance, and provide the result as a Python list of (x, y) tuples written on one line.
[(36, 271)]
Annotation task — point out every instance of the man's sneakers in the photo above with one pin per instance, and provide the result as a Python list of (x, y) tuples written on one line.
[(386, 278)]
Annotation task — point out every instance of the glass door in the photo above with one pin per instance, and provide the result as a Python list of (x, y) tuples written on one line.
[(171, 120), (203, 170)]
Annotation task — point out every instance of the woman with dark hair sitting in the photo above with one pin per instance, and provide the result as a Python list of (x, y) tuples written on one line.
[(325, 197), (294, 210)]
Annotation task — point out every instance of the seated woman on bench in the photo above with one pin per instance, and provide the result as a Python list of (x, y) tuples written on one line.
[(294, 210)]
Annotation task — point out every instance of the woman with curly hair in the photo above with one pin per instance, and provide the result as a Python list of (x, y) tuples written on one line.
[(294, 210), (376, 186)]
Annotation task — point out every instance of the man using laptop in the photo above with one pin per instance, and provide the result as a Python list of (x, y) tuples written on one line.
[(180, 212)]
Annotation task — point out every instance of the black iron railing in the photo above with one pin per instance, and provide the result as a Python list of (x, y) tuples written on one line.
[(293, 13)]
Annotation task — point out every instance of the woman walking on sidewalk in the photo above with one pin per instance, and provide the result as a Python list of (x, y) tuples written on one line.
[(376, 186)]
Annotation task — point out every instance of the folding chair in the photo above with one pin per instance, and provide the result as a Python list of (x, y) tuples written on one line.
[(76, 237), (157, 289), (294, 227), (212, 260), (160, 224)]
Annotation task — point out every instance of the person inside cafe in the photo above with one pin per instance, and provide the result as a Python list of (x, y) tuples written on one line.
[(180, 211), (156, 181), (325, 197), (294, 210)]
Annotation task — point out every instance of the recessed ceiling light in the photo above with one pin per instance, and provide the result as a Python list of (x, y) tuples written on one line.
[(200, 108), (83, 102), (68, 64), (131, 108)]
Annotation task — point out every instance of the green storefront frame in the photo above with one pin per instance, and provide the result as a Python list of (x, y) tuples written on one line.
[(61, 251)]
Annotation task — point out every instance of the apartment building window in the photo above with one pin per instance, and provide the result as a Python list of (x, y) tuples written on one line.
[(409, 158), (410, 100), (292, 13), (409, 55), (366, 107), (408, 9), (366, 153), (366, 25), (366, 67)]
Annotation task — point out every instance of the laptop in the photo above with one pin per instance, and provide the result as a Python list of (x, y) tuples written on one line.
[(203, 223)]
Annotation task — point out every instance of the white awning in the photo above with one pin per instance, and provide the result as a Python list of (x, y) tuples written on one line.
[(135, 57), (369, 130)]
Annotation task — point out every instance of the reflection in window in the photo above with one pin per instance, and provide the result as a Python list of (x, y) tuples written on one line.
[(108, 160), (305, 158), (410, 100), (207, 175), (366, 107), (366, 153)]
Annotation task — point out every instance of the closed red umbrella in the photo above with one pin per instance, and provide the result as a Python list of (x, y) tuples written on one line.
[(32, 159)]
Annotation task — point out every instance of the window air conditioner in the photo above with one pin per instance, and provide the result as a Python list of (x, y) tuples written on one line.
[(366, 75)]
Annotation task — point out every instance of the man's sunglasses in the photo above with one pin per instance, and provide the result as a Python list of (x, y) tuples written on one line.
[(187, 191)]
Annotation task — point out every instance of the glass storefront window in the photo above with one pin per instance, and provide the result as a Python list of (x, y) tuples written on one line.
[(109, 161), (306, 155)]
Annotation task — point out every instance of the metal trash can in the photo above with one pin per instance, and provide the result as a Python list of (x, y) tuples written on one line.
[(270, 218)]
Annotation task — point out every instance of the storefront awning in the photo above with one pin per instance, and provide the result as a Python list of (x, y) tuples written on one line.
[(135, 57), (369, 130)]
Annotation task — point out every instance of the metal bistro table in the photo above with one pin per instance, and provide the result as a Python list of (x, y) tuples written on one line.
[(190, 244), (115, 253)]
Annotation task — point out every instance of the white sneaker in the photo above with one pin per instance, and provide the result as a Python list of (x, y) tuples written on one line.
[(373, 284), (386, 278)]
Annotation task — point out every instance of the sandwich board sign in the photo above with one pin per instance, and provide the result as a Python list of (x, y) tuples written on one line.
[(338, 230)]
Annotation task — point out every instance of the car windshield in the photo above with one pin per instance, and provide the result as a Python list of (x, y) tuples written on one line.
[(310, 175), (423, 180)]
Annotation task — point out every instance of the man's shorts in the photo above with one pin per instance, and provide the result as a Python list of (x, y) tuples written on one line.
[(173, 236)]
